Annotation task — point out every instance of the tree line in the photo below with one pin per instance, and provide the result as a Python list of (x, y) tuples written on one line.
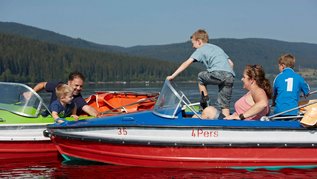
[(27, 60)]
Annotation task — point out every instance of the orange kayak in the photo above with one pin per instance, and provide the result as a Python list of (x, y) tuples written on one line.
[(114, 102)]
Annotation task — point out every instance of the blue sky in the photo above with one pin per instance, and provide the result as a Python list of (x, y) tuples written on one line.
[(154, 22)]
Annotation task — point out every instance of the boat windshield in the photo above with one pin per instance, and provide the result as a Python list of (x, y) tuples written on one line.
[(170, 101), (20, 99)]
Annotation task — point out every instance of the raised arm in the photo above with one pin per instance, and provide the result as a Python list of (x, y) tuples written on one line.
[(39, 87), (181, 68), (230, 63)]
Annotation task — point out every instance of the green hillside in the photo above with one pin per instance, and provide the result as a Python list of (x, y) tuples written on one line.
[(25, 60), (241, 51), (52, 37)]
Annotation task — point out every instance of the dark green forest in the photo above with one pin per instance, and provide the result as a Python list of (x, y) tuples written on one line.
[(26, 60), (30, 54), (242, 51)]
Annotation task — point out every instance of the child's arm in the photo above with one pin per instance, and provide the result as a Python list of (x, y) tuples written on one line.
[(181, 68), (74, 114), (305, 88), (230, 63), (56, 117)]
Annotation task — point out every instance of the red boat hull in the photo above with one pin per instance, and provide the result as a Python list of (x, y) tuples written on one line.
[(185, 157), (15, 151)]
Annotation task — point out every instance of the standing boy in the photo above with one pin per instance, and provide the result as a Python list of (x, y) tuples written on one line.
[(287, 86), (219, 70)]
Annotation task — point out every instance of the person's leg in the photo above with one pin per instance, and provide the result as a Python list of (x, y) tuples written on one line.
[(225, 111), (202, 89), (224, 95), (204, 99), (205, 78)]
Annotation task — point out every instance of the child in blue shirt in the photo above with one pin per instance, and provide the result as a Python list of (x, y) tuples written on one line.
[(287, 86), (64, 105), (219, 70)]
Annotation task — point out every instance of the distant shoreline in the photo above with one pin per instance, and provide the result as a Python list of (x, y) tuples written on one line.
[(311, 82)]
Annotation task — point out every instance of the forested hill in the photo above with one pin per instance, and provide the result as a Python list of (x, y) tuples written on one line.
[(26, 60), (52, 37), (242, 51)]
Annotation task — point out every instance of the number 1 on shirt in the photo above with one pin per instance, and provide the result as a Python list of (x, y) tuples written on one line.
[(289, 82)]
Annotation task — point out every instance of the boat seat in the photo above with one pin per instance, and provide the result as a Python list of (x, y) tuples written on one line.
[(99, 101), (145, 106), (306, 108), (310, 116)]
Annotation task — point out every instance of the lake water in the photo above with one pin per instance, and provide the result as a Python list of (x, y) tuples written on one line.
[(189, 89), (61, 169)]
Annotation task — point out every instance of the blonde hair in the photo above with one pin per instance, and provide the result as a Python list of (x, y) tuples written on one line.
[(200, 34), (62, 90), (288, 60)]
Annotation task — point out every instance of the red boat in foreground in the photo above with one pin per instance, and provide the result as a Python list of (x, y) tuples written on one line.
[(168, 136)]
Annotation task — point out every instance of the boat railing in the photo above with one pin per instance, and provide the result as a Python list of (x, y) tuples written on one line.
[(189, 105), (278, 115)]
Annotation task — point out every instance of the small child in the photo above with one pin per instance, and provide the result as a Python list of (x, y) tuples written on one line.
[(287, 86), (219, 70), (63, 106)]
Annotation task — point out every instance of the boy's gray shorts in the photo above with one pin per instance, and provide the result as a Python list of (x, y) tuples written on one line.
[(224, 80)]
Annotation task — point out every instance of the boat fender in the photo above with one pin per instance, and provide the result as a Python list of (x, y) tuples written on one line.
[(46, 133), (265, 118)]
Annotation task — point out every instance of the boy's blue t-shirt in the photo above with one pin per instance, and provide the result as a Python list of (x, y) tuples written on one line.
[(61, 110), (213, 57), (287, 87)]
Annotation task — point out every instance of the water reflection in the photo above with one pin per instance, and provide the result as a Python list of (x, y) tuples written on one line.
[(189, 89), (60, 169)]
